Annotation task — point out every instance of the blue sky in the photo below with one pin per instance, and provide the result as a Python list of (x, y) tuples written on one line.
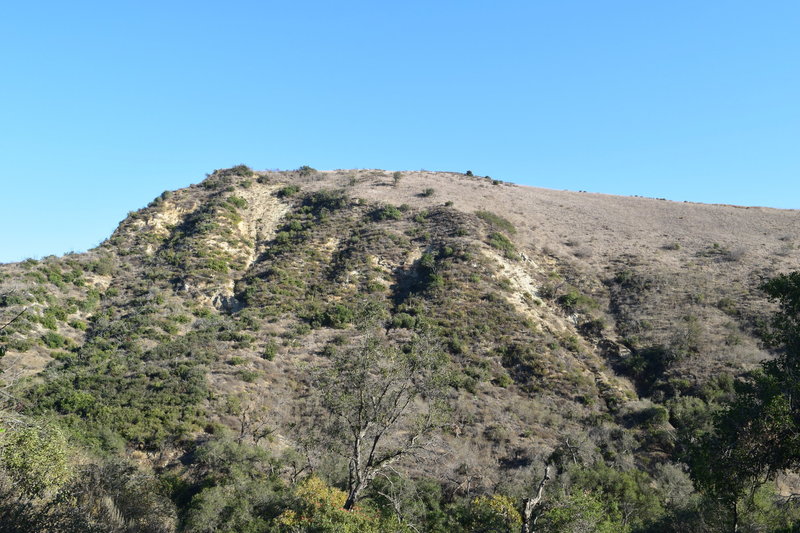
[(106, 104)]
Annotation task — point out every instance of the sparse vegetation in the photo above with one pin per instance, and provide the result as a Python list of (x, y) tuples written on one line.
[(497, 222), (501, 242), (223, 338)]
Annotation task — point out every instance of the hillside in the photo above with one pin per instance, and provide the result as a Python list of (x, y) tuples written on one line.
[(589, 331)]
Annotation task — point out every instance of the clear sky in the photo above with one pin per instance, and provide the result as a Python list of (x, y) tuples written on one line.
[(103, 105)]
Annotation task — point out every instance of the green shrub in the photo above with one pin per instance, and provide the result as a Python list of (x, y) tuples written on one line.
[(270, 350), (247, 375), (287, 191), (36, 459), (20, 345), (574, 301), (237, 201), (404, 320), (428, 192), (239, 170), (306, 170), (337, 316), (497, 222), (62, 356), (78, 324), (329, 200), (48, 322), (386, 212), (10, 299), (53, 340), (502, 243)]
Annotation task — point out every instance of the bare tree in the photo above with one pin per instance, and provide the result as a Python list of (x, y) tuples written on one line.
[(252, 417), (530, 504), (11, 371), (381, 404)]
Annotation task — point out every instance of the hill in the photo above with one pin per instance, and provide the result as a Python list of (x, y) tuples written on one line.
[(590, 332)]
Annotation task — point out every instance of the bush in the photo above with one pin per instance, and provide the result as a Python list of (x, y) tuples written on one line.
[(270, 350), (495, 513), (237, 201), (573, 301), (78, 324), (287, 191), (306, 171), (502, 243), (496, 221), (248, 376), (325, 199), (36, 459), (386, 212), (427, 193), (337, 316), (404, 320), (54, 340), (239, 170)]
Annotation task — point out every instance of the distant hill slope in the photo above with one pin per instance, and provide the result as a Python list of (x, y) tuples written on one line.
[(566, 317)]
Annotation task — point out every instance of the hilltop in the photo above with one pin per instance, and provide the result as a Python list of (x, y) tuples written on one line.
[(586, 327)]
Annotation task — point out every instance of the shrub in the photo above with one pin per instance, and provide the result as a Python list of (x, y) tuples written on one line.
[(37, 460), (20, 345), (502, 243), (10, 299), (237, 201), (496, 221), (403, 320), (427, 193), (287, 191), (318, 507), (239, 170), (306, 171), (78, 324), (270, 350), (248, 376), (386, 212), (325, 199), (337, 316), (54, 340), (574, 301), (493, 513)]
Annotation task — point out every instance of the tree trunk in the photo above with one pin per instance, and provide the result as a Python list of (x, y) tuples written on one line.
[(352, 498), (529, 504)]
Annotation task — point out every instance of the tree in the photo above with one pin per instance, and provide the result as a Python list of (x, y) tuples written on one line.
[(36, 459), (381, 402), (9, 373), (757, 434), (529, 504)]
